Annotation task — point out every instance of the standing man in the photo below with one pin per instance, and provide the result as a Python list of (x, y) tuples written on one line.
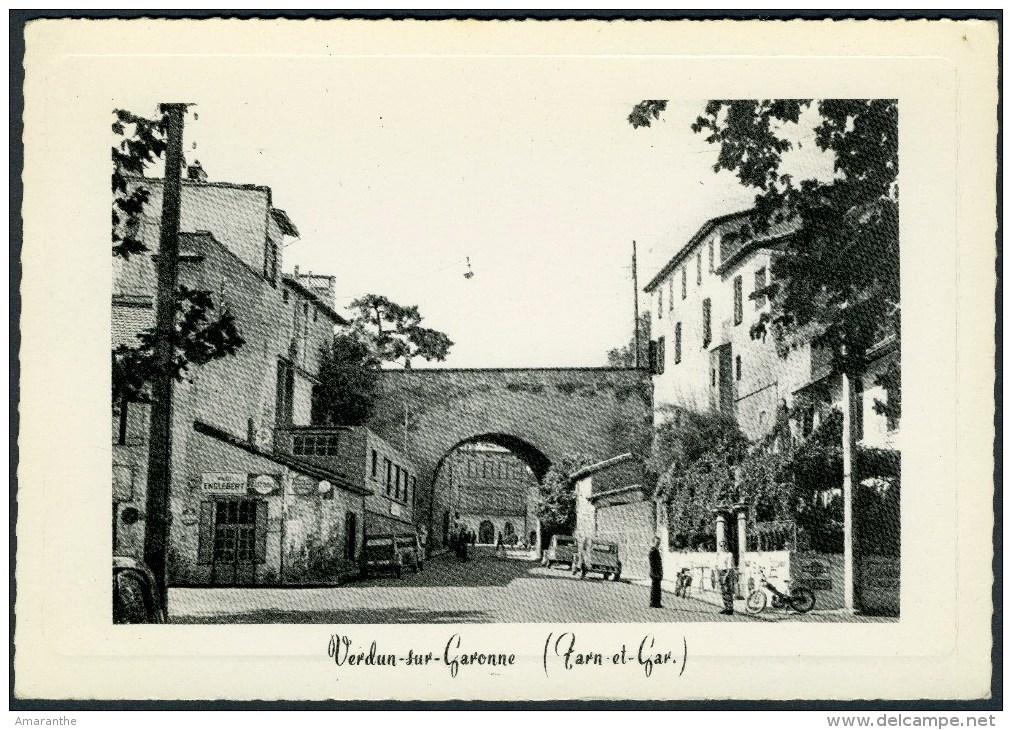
[(727, 576), (656, 574)]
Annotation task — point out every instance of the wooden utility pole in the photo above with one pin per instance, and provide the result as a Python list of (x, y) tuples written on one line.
[(636, 309), (156, 533)]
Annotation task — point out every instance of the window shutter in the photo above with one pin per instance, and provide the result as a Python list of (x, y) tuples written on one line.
[(205, 542), (261, 532), (652, 357)]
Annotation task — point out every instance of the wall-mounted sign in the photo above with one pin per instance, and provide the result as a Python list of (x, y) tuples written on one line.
[(223, 482), (324, 487), (303, 485), (264, 484)]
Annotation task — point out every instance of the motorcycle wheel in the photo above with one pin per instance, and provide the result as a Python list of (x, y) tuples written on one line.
[(756, 601), (802, 600)]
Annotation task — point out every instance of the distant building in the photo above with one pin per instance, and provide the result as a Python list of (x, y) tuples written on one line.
[(489, 490)]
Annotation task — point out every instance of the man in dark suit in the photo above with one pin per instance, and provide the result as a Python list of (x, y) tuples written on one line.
[(656, 573)]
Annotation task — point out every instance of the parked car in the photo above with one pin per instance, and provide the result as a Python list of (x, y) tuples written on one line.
[(561, 550), (381, 555), (411, 552), (135, 598), (602, 557)]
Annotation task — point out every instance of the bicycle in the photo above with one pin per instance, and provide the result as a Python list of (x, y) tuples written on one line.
[(800, 598)]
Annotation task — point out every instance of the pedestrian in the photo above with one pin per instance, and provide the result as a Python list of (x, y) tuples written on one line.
[(727, 576), (656, 573)]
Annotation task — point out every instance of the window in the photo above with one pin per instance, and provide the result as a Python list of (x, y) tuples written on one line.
[(685, 274), (373, 467), (390, 471), (671, 293), (659, 365), (660, 303), (713, 377), (678, 343), (284, 296), (711, 255), (737, 300), (699, 268), (271, 262), (285, 394), (397, 482), (760, 284), (315, 312), (737, 367), (315, 444), (707, 329)]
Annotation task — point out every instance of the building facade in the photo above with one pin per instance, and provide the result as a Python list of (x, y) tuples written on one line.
[(705, 303), (248, 506), (490, 492)]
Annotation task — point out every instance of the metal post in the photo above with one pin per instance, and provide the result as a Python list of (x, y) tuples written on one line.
[(156, 533)]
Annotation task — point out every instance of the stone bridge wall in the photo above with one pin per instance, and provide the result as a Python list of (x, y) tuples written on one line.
[(543, 414)]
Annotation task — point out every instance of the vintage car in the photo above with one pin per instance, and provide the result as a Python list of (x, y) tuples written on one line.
[(561, 551), (601, 557), (382, 555), (134, 595), (410, 551)]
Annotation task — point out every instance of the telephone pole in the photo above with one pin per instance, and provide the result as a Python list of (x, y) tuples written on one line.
[(156, 531), (636, 309)]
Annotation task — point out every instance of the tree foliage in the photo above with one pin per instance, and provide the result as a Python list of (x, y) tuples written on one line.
[(348, 379), (557, 496), (202, 334), (837, 280), (395, 331), (200, 338), (625, 356)]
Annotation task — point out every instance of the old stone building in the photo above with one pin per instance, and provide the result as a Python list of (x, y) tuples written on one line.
[(257, 496), (491, 492)]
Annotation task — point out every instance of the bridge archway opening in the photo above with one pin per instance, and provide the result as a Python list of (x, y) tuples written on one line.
[(486, 486)]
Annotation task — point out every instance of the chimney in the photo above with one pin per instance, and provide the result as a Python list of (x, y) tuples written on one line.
[(195, 172)]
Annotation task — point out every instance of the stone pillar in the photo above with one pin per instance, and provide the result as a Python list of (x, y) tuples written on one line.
[(721, 528), (741, 512)]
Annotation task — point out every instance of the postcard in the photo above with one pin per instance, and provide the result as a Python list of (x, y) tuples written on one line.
[(507, 360)]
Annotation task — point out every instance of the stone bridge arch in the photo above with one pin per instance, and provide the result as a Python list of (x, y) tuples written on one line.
[(541, 414)]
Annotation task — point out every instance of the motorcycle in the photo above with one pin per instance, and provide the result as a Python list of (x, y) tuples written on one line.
[(800, 598)]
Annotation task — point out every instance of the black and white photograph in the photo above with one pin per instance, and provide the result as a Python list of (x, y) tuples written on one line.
[(314, 441), (454, 329)]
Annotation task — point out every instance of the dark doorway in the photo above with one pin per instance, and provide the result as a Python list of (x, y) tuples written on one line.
[(486, 533), (238, 540)]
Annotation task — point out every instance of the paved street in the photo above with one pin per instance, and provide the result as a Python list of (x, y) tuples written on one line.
[(482, 590)]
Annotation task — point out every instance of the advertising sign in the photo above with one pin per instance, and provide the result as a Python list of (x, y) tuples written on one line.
[(264, 484), (223, 482)]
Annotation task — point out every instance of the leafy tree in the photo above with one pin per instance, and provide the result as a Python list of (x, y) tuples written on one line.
[(837, 281), (202, 335), (557, 497), (695, 454), (395, 332), (348, 378), (199, 340), (625, 357)]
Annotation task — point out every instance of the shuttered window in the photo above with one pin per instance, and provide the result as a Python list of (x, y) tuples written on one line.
[(707, 327), (205, 543), (738, 315)]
